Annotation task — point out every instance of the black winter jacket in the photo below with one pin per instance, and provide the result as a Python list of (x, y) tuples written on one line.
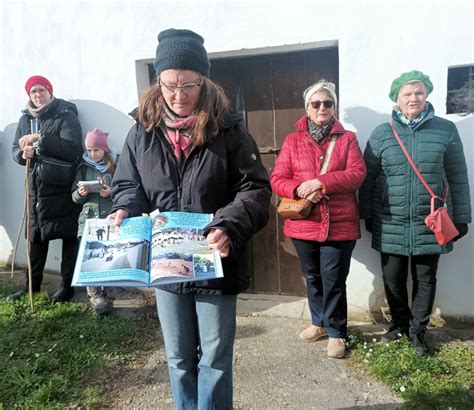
[(53, 215), (225, 177)]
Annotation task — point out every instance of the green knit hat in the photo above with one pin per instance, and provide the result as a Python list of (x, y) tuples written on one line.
[(410, 76)]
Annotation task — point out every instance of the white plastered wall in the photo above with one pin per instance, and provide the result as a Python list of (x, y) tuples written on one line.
[(88, 50)]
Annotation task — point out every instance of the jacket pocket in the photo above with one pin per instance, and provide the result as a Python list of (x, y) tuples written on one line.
[(52, 171)]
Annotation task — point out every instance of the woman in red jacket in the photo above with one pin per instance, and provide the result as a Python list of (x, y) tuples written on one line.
[(325, 240)]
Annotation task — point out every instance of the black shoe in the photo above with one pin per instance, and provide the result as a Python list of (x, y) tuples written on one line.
[(62, 295), (394, 333), (418, 343), (18, 295)]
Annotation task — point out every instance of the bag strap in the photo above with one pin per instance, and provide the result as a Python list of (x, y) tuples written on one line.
[(417, 172), (328, 154)]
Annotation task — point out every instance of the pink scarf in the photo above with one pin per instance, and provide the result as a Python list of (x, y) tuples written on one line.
[(178, 130)]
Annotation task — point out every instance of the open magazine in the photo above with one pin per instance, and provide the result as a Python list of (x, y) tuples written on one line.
[(146, 251), (94, 186)]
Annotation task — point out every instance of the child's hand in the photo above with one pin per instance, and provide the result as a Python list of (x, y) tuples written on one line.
[(105, 191), (84, 190)]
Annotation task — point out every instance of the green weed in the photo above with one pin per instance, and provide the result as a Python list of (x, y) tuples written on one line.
[(444, 379), (50, 358)]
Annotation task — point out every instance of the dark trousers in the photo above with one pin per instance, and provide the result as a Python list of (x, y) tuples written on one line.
[(326, 266), (395, 275), (39, 253)]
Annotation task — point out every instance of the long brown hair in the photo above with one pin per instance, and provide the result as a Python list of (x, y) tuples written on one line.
[(210, 110), (110, 162)]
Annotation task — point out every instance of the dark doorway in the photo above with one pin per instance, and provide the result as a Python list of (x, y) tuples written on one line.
[(267, 89)]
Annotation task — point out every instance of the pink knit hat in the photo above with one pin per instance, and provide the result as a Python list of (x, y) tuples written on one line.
[(98, 139)]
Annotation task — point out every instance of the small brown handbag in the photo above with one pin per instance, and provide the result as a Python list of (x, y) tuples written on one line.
[(300, 208), (294, 208)]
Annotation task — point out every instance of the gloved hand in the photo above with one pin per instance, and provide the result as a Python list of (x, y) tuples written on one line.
[(368, 225), (462, 228)]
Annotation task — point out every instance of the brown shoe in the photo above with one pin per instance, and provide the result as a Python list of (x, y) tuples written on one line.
[(336, 347), (312, 333)]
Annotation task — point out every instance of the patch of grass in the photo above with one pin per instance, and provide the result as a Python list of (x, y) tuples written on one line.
[(50, 358), (444, 379)]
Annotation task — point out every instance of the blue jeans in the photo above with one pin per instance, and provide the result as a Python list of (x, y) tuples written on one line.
[(199, 334), (326, 266)]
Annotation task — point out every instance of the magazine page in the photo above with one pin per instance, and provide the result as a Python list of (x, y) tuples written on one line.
[(180, 252), (111, 256), (94, 186)]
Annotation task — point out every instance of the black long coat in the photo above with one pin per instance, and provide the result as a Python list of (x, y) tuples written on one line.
[(53, 214), (225, 177)]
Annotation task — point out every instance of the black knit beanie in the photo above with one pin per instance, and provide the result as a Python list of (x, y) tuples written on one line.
[(181, 49)]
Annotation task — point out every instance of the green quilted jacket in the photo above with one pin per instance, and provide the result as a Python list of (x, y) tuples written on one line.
[(394, 198)]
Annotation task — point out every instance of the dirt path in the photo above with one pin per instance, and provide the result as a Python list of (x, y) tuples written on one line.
[(272, 370)]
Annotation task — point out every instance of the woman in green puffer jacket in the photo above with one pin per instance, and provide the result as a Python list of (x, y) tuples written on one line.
[(98, 165), (394, 202)]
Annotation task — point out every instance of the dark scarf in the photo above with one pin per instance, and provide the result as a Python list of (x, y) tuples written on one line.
[(319, 133), (178, 130)]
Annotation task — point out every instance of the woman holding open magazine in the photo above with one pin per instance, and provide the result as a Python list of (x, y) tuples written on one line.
[(188, 152), (395, 202)]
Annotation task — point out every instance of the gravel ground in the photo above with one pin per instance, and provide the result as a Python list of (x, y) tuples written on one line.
[(273, 369)]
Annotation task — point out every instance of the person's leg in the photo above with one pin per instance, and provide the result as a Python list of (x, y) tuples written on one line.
[(309, 255), (38, 255), (177, 314), (98, 300), (68, 261), (423, 268), (335, 264), (216, 316), (395, 274)]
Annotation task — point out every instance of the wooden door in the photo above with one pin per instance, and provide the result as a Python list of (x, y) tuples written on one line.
[(268, 89)]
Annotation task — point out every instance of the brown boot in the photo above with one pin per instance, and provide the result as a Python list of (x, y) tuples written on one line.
[(336, 347), (312, 333)]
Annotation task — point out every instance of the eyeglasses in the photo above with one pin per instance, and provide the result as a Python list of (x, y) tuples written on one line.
[(187, 88), (326, 103), (41, 91)]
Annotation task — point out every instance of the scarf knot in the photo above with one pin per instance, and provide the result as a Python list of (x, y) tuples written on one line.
[(178, 131), (413, 123), (319, 133)]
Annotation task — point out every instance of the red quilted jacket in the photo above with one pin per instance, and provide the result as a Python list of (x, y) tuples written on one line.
[(300, 159)]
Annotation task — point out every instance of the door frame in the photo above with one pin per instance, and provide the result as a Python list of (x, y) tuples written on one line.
[(143, 72)]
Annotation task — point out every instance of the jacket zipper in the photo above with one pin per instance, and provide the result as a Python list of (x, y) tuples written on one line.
[(412, 188)]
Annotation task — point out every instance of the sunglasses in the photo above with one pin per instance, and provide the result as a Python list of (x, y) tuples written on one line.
[(326, 103)]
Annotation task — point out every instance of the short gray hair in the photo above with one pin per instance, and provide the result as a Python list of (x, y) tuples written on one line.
[(321, 85)]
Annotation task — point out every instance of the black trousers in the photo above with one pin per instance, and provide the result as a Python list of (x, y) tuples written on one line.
[(39, 253), (395, 275), (326, 266)]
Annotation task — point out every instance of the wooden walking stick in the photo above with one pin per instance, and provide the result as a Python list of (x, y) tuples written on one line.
[(34, 126)]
